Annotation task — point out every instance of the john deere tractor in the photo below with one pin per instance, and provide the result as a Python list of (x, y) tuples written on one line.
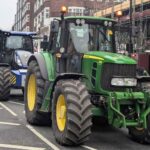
[(80, 76), (15, 50)]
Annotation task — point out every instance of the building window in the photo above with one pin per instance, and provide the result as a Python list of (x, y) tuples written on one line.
[(42, 18), (47, 13), (76, 11), (27, 28), (39, 18), (35, 22), (28, 18), (28, 6)]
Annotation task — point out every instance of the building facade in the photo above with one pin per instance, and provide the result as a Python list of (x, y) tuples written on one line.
[(35, 15), (18, 17), (24, 16)]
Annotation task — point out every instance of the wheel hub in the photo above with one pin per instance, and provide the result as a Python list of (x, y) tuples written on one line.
[(31, 92), (61, 113)]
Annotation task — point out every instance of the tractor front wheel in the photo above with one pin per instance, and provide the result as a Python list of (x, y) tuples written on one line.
[(5, 74), (141, 135), (71, 113), (34, 95)]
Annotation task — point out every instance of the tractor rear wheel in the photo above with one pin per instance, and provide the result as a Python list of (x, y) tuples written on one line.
[(141, 135), (71, 113), (33, 96), (5, 74)]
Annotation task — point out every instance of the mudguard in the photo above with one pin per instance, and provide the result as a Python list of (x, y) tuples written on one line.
[(41, 62)]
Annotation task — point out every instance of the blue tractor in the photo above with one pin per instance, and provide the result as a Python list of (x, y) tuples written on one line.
[(15, 50)]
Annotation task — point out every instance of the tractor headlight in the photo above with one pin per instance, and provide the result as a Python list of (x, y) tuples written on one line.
[(18, 60), (123, 81)]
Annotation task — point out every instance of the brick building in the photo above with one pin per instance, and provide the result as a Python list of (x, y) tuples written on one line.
[(24, 16), (35, 15), (18, 16)]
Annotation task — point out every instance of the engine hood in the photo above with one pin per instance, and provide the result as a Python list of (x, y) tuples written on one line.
[(109, 57), (23, 56)]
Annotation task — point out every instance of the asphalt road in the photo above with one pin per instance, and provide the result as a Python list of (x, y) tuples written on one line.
[(16, 133)]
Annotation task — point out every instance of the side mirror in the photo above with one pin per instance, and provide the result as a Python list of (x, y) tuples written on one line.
[(54, 26), (44, 43)]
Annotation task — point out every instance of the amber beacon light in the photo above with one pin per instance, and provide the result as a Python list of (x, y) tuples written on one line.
[(119, 13), (63, 9)]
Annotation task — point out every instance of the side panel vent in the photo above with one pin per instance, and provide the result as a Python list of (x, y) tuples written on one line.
[(94, 69)]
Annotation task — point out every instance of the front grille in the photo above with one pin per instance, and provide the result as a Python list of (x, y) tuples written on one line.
[(111, 70)]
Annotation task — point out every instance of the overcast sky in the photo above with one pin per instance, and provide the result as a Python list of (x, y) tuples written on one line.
[(7, 13)]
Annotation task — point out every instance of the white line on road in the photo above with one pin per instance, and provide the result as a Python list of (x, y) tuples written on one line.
[(54, 147), (10, 123), (20, 147), (87, 147), (8, 109), (16, 103)]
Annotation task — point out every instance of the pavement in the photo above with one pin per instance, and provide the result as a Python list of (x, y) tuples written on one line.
[(16, 133)]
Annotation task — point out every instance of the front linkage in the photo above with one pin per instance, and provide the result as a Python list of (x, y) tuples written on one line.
[(132, 110)]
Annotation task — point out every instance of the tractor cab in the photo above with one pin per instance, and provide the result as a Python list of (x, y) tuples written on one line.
[(17, 48), (73, 37), (87, 35)]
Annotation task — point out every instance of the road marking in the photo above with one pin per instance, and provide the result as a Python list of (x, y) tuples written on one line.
[(10, 123), (87, 147), (23, 112), (16, 103), (54, 147), (8, 109), (20, 147)]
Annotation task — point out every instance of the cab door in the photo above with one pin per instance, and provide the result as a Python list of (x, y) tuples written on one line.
[(57, 46)]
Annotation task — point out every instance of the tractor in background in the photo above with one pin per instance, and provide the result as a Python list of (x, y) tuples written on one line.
[(80, 75), (15, 50)]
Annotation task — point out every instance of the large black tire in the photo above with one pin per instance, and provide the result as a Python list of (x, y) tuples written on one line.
[(33, 115), (5, 75), (78, 113), (141, 135)]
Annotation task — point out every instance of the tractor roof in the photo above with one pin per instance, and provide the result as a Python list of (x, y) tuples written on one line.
[(23, 33), (18, 33), (90, 18)]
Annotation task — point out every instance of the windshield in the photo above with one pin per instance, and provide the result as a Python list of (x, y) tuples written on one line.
[(19, 42), (90, 37)]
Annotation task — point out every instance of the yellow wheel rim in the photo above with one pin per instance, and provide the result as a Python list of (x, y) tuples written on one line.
[(31, 92), (61, 113)]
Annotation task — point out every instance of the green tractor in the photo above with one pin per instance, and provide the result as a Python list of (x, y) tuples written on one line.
[(80, 76)]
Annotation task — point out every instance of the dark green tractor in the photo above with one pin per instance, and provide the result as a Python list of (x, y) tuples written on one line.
[(80, 76)]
